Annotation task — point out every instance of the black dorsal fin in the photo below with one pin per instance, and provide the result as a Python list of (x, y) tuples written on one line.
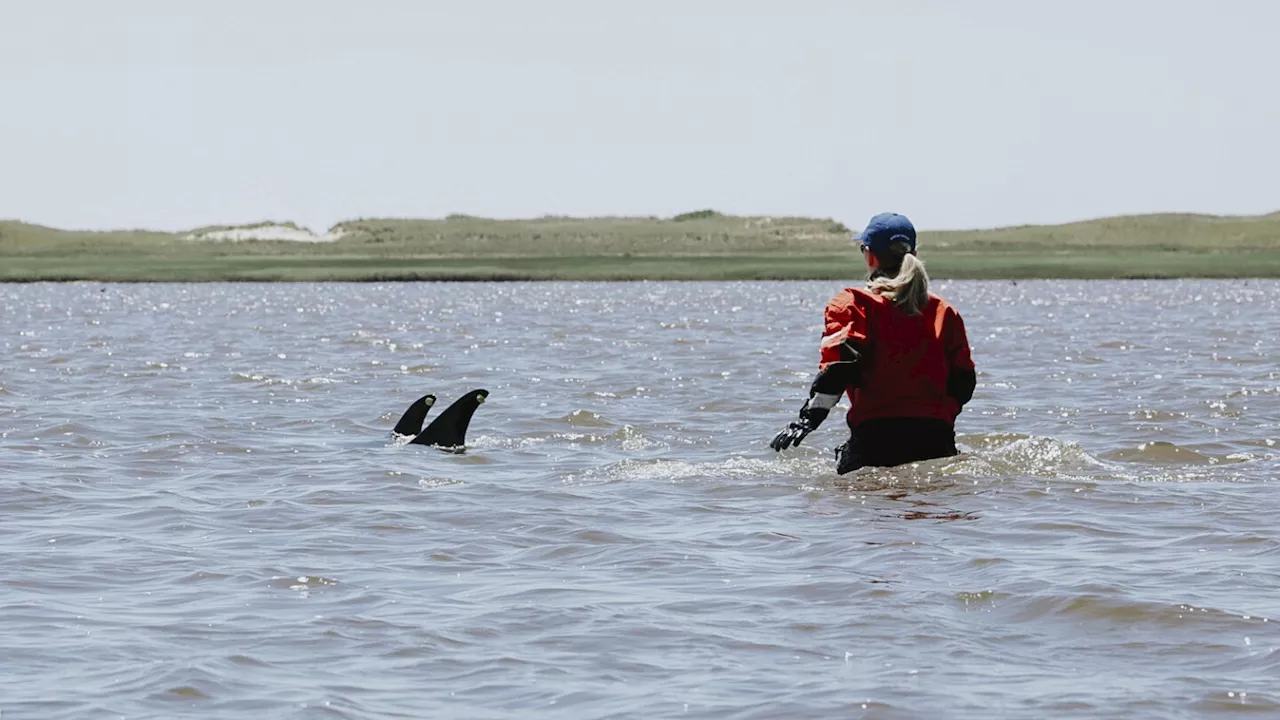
[(411, 422), (450, 428)]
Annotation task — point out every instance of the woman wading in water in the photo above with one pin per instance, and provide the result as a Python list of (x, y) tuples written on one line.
[(899, 352)]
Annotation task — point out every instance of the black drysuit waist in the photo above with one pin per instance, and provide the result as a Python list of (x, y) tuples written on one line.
[(884, 442)]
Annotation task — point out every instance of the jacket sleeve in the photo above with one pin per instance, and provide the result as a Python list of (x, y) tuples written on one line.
[(845, 329), (844, 339), (962, 378)]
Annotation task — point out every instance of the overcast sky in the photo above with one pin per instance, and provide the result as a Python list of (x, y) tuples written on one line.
[(170, 115)]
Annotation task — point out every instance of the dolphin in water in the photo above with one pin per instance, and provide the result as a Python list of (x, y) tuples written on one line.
[(449, 429)]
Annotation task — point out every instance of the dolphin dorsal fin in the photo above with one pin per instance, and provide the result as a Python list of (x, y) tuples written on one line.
[(449, 429), (411, 422)]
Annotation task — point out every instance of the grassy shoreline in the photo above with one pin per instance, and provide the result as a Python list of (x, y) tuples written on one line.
[(699, 246)]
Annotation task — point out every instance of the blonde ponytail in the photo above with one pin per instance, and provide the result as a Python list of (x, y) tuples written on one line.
[(908, 286)]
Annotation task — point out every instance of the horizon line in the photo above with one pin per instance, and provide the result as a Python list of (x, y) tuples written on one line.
[(659, 218)]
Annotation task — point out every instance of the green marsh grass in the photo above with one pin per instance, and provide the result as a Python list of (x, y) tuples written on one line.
[(702, 245)]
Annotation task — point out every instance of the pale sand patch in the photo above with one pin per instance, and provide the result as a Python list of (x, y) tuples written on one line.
[(266, 232)]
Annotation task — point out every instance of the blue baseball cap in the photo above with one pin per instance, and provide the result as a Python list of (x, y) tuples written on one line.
[(885, 229)]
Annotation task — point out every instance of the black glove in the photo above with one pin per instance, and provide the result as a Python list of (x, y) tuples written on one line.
[(810, 419)]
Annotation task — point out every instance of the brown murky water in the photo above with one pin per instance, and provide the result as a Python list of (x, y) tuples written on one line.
[(202, 514)]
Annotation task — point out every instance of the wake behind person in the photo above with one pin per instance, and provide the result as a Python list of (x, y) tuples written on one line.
[(899, 351)]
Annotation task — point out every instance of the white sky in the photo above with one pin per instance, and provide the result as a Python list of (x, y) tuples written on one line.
[(173, 114)]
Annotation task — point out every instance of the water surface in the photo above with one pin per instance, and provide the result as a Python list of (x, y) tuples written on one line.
[(203, 513)]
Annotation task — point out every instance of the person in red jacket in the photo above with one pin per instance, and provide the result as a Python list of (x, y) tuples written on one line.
[(898, 351)]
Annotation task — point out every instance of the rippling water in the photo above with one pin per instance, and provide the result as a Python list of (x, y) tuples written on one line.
[(203, 513)]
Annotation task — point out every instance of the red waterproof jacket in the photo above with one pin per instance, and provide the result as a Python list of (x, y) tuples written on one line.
[(906, 360)]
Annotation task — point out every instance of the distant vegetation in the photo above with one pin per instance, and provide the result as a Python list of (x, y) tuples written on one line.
[(697, 245), (697, 215)]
